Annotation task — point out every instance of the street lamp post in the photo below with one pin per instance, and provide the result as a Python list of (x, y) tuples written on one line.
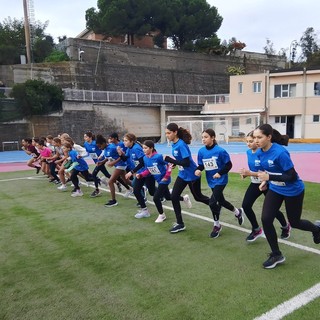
[(292, 50)]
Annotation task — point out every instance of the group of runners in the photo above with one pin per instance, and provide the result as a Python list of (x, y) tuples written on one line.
[(139, 168)]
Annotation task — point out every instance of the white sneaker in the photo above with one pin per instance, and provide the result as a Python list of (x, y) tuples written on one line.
[(105, 181), (77, 193), (143, 213), (161, 218), (128, 193), (187, 201), (63, 187)]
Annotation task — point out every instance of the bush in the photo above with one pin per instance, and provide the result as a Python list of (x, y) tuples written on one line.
[(37, 97)]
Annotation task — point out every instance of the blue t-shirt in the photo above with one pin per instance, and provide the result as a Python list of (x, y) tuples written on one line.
[(134, 154), (82, 166), (214, 160), (180, 150), (254, 165), (92, 149), (277, 161), (111, 153), (157, 167)]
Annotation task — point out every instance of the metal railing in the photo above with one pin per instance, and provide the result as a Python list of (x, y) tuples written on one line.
[(141, 97)]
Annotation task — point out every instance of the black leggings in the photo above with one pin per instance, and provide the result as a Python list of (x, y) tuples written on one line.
[(178, 187), (217, 201), (86, 174), (293, 205), (162, 192), (252, 194), (95, 172), (138, 184)]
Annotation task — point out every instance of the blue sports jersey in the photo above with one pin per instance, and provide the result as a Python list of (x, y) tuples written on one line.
[(180, 150), (92, 149), (111, 153), (82, 166), (254, 165), (277, 161), (214, 160), (157, 167), (134, 154)]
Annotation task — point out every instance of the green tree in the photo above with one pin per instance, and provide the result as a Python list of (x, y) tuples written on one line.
[(36, 97), (181, 20), (308, 43), (13, 44)]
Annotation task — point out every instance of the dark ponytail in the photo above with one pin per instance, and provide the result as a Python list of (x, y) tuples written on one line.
[(277, 137), (182, 133)]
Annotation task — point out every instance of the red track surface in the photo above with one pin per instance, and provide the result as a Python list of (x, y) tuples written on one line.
[(306, 164)]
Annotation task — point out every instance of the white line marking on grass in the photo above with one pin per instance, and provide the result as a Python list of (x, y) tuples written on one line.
[(288, 243), (291, 305), (276, 313)]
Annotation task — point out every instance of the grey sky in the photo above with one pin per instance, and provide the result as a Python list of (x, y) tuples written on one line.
[(251, 22)]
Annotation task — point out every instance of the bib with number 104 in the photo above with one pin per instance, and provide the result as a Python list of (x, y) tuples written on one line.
[(210, 164)]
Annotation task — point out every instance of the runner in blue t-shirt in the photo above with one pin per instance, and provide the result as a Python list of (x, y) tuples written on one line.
[(182, 158), (216, 163), (134, 155), (160, 170), (94, 152), (110, 157), (253, 193), (284, 186)]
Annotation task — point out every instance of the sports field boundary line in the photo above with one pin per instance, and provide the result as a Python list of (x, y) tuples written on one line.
[(295, 303), (190, 214), (277, 313)]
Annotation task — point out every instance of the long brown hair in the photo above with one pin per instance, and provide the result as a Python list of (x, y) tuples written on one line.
[(182, 133)]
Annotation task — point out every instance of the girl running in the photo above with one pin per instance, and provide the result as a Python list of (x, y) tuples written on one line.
[(81, 168), (111, 157), (94, 152), (216, 163), (134, 156), (31, 150), (160, 170), (253, 193), (284, 186), (180, 139)]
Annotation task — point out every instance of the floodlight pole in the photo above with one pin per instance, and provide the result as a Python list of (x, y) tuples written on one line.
[(27, 31)]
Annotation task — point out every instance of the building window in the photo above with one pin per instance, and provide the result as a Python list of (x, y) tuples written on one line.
[(284, 90), (280, 119), (316, 118), (240, 87), (248, 120), (317, 88), (257, 85)]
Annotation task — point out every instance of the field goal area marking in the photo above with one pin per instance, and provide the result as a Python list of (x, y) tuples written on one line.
[(277, 313)]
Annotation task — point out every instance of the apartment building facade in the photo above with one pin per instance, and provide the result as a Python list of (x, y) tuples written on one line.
[(287, 100)]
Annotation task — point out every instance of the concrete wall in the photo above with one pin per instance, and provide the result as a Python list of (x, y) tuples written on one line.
[(109, 67)]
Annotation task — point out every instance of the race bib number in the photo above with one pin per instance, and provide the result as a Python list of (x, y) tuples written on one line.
[(278, 183), (154, 170), (255, 179), (210, 164), (93, 155)]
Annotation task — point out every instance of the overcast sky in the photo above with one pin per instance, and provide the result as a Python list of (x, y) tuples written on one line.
[(251, 22)]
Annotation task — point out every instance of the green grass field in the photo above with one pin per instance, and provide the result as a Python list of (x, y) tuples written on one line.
[(72, 258)]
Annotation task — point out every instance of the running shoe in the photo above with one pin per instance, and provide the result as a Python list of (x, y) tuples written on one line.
[(285, 232), (273, 261), (215, 232), (161, 217), (254, 235)]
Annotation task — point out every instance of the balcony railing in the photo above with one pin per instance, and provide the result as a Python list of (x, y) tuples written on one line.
[(141, 97)]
